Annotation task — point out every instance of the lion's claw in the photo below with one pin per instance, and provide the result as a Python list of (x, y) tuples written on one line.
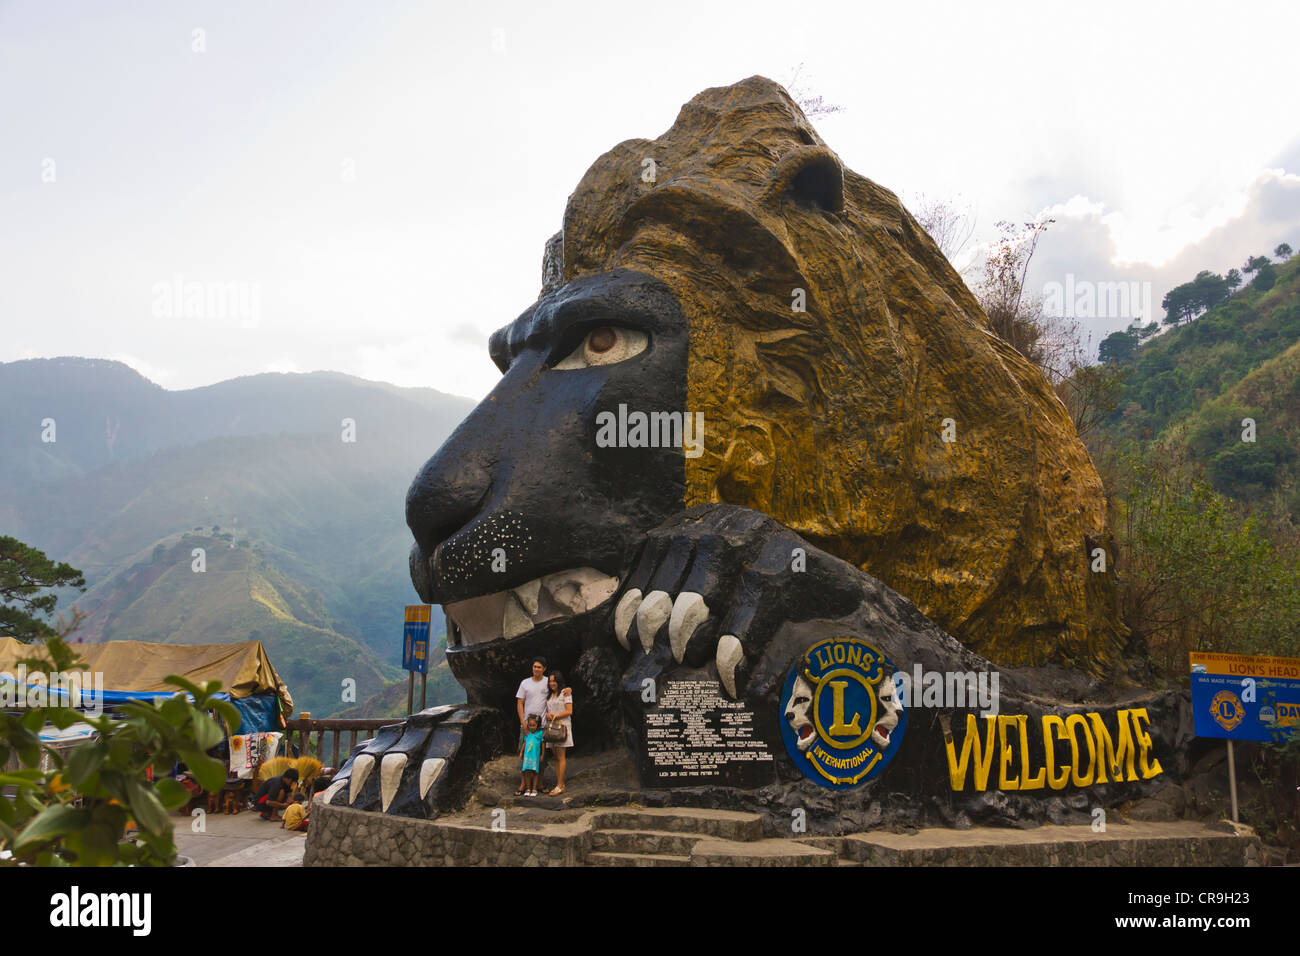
[(689, 612), (625, 614), (708, 584), (651, 616), (414, 758), (730, 653)]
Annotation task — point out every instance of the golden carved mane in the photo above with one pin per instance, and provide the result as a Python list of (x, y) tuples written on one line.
[(830, 419)]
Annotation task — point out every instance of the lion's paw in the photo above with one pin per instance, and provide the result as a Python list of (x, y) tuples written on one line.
[(714, 584), (419, 767)]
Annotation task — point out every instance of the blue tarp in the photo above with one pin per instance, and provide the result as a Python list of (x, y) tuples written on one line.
[(90, 698), (258, 714)]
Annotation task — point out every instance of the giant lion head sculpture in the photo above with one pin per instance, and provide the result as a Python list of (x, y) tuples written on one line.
[(734, 269), (755, 427)]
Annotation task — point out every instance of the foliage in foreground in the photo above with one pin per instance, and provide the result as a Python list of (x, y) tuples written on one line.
[(25, 572), (1198, 573), (76, 812)]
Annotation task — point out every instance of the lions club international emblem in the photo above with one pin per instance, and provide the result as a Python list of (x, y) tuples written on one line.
[(841, 719), (1227, 710)]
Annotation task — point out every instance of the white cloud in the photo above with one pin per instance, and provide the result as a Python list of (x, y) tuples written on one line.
[(229, 166), (1087, 246)]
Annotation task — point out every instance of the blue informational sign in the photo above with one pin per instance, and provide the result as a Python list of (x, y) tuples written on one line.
[(1241, 697), (415, 639)]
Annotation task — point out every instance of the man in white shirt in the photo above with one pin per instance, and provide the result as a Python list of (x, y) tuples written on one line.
[(531, 697), (530, 700)]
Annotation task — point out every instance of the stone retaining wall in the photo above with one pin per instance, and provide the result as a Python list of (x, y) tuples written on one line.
[(343, 837)]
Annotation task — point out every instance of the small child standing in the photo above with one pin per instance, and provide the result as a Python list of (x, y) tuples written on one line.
[(530, 751)]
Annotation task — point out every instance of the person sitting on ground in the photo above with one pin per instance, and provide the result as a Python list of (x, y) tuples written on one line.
[(295, 814), (274, 794)]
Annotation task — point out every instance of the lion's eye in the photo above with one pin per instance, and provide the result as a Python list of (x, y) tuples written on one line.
[(605, 345)]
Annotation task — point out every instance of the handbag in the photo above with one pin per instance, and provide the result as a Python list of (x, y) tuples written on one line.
[(555, 732)]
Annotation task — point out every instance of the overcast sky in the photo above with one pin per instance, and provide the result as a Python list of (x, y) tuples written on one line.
[(370, 185)]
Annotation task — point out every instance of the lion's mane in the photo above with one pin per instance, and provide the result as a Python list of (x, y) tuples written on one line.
[(831, 419)]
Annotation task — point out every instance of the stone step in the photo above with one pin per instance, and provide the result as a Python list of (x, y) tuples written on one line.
[(722, 824), (645, 841), (760, 853), (636, 859), (1176, 843), (833, 843)]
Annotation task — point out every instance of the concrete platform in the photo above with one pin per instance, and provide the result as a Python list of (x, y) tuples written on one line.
[(772, 852), (1177, 843), (240, 839)]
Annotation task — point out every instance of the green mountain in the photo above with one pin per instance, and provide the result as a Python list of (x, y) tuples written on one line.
[(390, 701), (235, 594), (260, 463), (1190, 389)]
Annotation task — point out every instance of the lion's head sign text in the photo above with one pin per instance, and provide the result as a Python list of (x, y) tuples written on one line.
[(1244, 697)]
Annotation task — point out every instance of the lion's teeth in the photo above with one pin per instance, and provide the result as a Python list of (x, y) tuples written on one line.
[(515, 620), (517, 611), (527, 594), (580, 589)]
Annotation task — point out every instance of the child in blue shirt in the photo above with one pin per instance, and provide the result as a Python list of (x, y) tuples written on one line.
[(531, 753)]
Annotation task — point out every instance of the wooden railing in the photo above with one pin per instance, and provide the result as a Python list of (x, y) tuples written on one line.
[(300, 731)]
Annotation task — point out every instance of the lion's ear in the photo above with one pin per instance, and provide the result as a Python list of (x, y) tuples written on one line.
[(807, 174)]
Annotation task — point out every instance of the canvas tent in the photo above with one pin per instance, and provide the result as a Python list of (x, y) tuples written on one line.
[(135, 670)]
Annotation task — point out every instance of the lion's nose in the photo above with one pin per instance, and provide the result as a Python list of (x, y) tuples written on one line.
[(445, 496)]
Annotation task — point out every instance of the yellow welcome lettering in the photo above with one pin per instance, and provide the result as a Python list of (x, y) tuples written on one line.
[(1027, 782), (1054, 726), (1149, 767), (1110, 757), (983, 761), (1004, 754), (1080, 780)]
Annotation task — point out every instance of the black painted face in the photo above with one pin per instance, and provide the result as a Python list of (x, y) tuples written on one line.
[(527, 519)]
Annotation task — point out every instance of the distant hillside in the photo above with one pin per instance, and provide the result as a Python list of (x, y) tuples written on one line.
[(105, 411), (1191, 387), (261, 459), (390, 701), (238, 596)]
